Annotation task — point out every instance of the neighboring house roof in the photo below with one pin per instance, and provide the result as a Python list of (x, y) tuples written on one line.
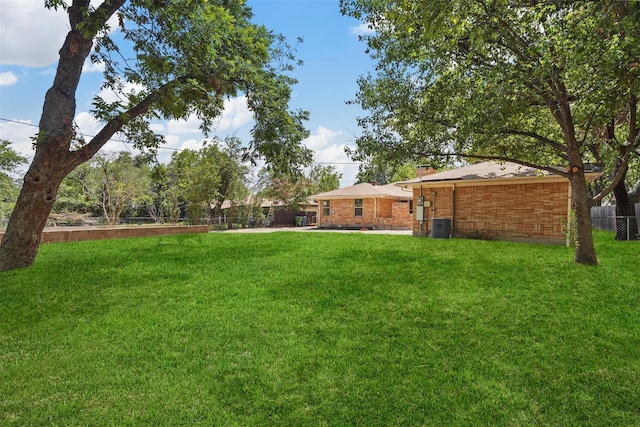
[(249, 201), (366, 191), (263, 204), (485, 171)]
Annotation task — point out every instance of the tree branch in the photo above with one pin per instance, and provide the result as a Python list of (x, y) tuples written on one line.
[(620, 172), (100, 15), (586, 129), (75, 12), (114, 125), (543, 139), (517, 38), (633, 114), (107, 9)]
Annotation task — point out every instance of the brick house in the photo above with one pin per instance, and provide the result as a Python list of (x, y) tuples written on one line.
[(376, 207), (503, 201)]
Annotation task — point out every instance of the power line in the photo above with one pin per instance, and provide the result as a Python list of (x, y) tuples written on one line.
[(339, 163), (163, 148), (85, 135), (18, 122)]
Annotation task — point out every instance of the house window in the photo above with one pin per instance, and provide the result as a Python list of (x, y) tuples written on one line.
[(326, 207), (358, 207)]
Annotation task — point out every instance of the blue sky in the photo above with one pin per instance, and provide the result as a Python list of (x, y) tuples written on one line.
[(30, 37)]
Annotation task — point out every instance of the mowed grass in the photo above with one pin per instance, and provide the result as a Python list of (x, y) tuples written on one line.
[(311, 329)]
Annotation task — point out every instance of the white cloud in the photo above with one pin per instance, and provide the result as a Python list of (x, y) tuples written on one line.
[(192, 144), (109, 95), (90, 67), (180, 127), (157, 127), (349, 173), (171, 145), (363, 29), (173, 142), (322, 138), (116, 145), (332, 154), (328, 152), (235, 115), (88, 125), (19, 133), (30, 34), (8, 79)]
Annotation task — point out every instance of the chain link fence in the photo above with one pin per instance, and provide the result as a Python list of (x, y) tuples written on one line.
[(222, 222), (626, 227)]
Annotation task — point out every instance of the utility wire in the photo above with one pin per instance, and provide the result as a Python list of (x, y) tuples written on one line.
[(163, 148), (84, 135)]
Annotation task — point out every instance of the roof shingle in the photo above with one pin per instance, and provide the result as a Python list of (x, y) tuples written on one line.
[(365, 190)]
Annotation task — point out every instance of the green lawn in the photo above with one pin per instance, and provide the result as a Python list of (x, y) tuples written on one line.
[(320, 329)]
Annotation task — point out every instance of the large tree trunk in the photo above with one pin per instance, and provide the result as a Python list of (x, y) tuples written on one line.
[(560, 106), (22, 237), (52, 160), (232, 212), (585, 249), (626, 223)]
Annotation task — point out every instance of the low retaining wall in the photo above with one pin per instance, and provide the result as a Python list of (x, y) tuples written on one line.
[(74, 234)]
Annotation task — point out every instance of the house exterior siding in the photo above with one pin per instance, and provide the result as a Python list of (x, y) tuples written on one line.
[(377, 213), (535, 211)]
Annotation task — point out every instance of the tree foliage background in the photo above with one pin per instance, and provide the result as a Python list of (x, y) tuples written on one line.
[(293, 191), (164, 60), (10, 160)]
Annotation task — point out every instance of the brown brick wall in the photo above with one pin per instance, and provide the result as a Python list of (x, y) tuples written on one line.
[(72, 234), (376, 214), (508, 211)]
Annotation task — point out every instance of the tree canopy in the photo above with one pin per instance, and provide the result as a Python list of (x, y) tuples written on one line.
[(115, 183), (381, 171), (167, 60), (293, 190), (233, 181), (9, 158), (522, 81), (9, 162)]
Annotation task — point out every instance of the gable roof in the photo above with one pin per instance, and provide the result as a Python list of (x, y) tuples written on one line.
[(485, 171), (365, 190), (251, 199)]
